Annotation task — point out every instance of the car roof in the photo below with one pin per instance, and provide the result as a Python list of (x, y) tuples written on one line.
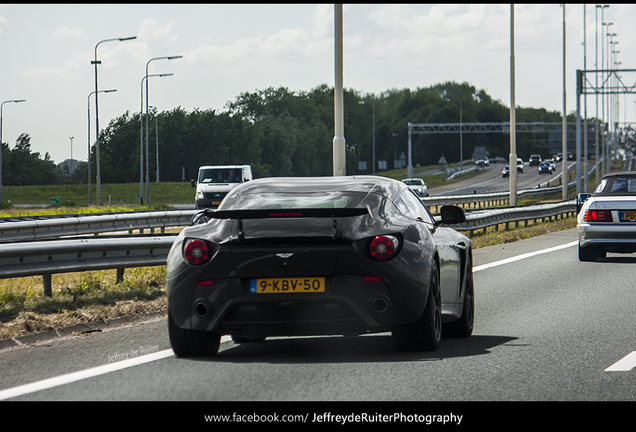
[(367, 184), (223, 166), (620, 174)]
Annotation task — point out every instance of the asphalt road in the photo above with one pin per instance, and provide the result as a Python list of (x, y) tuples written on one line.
[(547, 329), (491, 180)]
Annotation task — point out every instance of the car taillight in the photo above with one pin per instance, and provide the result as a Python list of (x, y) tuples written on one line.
[(196, 252), (597, 216), (383, 247)]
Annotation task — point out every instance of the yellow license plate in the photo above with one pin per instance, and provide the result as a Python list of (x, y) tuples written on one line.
[(629, 216), (216, 203), (287, 285)]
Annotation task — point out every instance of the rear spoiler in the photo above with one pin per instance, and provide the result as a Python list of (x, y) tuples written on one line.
[(287, 213), (240, 215)]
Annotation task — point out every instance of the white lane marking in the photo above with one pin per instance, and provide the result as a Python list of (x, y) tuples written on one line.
[(627, 363), (87, 373), (523, 256), (83, 374)]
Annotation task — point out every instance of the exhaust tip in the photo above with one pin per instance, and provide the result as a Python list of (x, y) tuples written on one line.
[(201, 309), (380, 304)]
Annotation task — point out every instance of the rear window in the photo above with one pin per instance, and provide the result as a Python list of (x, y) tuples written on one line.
[(618, 185), (624, 184)]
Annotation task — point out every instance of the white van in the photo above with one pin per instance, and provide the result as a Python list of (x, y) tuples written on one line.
[(214, 182)]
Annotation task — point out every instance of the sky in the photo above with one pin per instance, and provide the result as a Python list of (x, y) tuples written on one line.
[(229, 49)]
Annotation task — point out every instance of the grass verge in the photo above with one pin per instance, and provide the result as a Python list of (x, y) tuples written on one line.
[(78, 298)]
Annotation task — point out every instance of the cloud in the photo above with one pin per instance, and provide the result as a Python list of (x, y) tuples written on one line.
[(72, 69), (152, 31), (66, 32), (3, 24), (288, 43), (322, 22)]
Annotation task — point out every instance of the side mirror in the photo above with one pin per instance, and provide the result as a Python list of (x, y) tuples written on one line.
[(580, 199), (452, 215)]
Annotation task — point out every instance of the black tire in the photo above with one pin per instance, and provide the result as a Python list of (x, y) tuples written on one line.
[(465, 325), (426, 333), (192, 343)]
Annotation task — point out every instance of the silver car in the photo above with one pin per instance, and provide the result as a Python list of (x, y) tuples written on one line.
[(417, 185), (607, 218)]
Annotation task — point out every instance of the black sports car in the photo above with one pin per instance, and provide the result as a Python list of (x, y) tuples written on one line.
[(319, 256)]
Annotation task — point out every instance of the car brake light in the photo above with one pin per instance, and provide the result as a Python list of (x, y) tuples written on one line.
[(196, 252), (372, 279), (383, 247), (597, 216)]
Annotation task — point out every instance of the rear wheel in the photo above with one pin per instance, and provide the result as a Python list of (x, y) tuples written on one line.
[(426, 333), (192, 343)]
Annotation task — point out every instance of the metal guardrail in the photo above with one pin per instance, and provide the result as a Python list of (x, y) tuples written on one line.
[(483, 219), (47, 255), (493, 198), (34, 258), (36, 228)]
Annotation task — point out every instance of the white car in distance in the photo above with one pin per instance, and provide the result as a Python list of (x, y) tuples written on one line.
[(606, 221), (418, 186)]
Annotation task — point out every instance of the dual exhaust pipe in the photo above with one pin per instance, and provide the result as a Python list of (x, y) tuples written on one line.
[(202, 309)]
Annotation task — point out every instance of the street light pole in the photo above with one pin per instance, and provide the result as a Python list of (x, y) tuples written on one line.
[(1, 106), (157, 142), (512, 158), (71, 138), (338, 142), (373, 106), (564, 135), (598, 134), (141, 134), (97, 149), (147, 151), (88, 157), (585, 155)]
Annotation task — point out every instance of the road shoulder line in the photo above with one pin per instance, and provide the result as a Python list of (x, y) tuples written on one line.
[(523, 256)]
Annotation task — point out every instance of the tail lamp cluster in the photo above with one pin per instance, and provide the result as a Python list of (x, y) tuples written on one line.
[(383, 248), (597, 216), (197, 251)]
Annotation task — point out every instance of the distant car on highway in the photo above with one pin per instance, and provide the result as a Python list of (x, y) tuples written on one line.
[(482, 162), (607, 218), (551, 162), (545, 168), (505, 172), (519, 165), (417, 185), (535, 159)]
